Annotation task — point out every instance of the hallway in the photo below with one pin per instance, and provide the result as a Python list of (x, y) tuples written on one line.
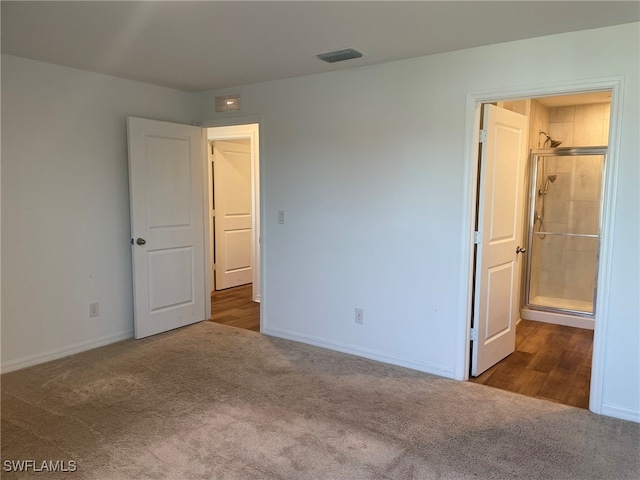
[(235, 307)]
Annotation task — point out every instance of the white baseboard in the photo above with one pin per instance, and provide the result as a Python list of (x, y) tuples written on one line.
[(557, 318), (31, 360), (621, 413), (440, 370)]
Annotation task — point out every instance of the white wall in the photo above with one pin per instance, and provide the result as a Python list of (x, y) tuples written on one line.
[(369, 166), (65, 205)]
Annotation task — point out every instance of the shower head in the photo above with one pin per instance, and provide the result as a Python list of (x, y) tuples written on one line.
[(550, 179), (552, 143)]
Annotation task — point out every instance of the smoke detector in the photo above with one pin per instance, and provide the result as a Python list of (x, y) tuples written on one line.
[(339, 55)]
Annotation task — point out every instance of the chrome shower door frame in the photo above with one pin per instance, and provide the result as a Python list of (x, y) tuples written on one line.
[(534, 155)]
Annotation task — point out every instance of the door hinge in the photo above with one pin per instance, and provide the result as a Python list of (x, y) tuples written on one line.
[(482, 136), (476, 238), (474, 334), (213, 267)]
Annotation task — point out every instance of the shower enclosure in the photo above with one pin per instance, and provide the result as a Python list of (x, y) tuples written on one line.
[(565, 208)]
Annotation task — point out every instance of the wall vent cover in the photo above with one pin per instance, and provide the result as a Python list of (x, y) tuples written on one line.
[(228, 103), (339, 55)]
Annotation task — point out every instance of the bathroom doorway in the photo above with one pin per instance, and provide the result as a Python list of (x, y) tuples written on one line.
[(566, 167)]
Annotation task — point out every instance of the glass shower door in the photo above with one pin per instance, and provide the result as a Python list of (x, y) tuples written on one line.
[(564, 229)]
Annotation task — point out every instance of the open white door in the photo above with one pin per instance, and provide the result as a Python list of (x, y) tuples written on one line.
[(499, 238), (166, 178), (233, 213)]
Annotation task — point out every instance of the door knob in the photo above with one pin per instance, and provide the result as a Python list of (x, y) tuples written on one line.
[(520, 249), (142, 241)]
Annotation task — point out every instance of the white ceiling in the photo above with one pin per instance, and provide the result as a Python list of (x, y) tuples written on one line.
[(204, 45)]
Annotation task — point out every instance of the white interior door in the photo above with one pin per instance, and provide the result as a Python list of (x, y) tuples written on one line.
[(166, 188), (233, 213), (500, 233)]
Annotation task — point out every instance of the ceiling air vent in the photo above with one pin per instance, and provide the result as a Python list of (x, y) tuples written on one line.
[(339, 55)]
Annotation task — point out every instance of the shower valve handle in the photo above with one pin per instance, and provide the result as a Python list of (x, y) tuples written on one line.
[(520, 249)]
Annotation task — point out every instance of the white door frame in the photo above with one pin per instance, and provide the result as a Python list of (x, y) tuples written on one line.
[(474, 99), (250, 132)]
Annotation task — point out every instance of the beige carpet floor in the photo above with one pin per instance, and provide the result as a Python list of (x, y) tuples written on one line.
[(216, 402)]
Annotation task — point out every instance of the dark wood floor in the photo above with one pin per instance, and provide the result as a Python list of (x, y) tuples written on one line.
[(551, 362), (235, 307)]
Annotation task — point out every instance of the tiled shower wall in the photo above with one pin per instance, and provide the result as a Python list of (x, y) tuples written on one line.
[(566, 266), (580, 125)]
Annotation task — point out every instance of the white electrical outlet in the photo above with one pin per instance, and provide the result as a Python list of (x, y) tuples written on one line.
[(94, 309), (281, 217), (359, 316)]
